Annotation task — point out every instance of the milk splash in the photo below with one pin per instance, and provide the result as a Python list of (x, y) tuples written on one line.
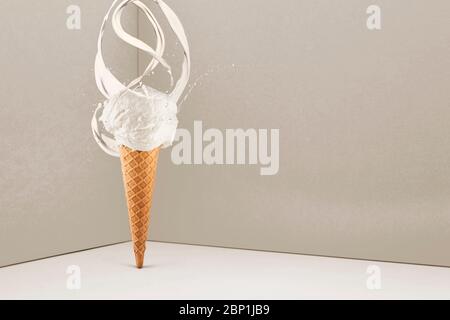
[(136, 115)]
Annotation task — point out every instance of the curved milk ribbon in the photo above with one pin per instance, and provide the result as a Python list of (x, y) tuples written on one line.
[(111, 87)]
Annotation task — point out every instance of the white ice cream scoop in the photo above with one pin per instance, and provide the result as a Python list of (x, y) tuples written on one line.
[(137, 116)]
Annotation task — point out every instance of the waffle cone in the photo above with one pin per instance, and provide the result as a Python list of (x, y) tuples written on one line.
[(139, 173)]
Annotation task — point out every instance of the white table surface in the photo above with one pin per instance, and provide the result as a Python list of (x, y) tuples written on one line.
[(177, 271)]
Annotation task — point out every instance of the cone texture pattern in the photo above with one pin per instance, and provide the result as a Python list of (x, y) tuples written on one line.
[(139, 173)]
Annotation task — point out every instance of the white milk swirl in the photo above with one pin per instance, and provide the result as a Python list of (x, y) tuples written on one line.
[(136, 115)]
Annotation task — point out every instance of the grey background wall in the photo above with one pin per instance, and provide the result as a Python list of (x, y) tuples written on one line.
[(57, 187), (363, 118), (364, 129)]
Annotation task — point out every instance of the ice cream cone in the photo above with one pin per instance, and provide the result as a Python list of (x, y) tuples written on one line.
[(139, 174)]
